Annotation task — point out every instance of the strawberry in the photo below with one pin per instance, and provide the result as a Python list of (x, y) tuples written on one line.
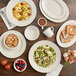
[(17, 67), (23, 62), (21, 69), (20, 61), (16, 62), (4, 62)]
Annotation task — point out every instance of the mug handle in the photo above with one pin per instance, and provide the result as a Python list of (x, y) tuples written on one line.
[(52, 28)]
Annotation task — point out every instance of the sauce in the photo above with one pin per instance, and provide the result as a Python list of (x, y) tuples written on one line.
[(42, 22)]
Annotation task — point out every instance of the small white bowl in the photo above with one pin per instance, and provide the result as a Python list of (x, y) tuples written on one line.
[(31, 32), (11, 47), (16, 68)]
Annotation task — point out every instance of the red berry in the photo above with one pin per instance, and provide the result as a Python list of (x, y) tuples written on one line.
[(24, 66), (16, 62), (17, 67), (20, 61), (21, 69), (23, 62)]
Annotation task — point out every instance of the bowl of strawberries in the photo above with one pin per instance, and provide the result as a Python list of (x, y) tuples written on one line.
[(20, 65)]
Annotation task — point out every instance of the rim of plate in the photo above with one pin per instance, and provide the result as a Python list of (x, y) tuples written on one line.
[(53, 19), (68, 44), (47, 69), (19, 51), (13, 20), (59, 3)]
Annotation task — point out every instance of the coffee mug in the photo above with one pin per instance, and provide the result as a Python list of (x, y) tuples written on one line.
[(49, 32)]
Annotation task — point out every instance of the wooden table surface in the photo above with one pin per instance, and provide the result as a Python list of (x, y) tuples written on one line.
[(66, 71)]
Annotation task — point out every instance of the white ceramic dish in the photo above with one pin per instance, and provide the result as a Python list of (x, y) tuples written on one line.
[(68, 44), (54, 19), (19, 41), (31, 32), (53, 8), (16, 68), (12, 19), (13, 53), (51, 67)]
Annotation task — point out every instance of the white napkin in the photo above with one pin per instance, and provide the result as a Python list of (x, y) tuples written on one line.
[(7, 23), (56, 71)]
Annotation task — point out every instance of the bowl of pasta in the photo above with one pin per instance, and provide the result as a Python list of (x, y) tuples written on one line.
[(21, 12)]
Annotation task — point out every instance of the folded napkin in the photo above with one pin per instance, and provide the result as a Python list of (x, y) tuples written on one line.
[(56, 71), (7, 23)]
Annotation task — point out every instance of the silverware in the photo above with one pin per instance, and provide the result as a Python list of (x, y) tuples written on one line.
[(4, 18)]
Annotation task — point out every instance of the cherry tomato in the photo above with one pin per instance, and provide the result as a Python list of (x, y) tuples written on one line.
[(29, 14), (7, 67), (22, 18), (4, 62), (21, 3), (21, 13), (29, 8)]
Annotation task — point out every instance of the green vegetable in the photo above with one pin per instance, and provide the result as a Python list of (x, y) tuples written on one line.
[(44, 55)]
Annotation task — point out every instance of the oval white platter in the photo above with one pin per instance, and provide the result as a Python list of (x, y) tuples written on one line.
[(51, 67), (54, 19), (16, 52), (14, 21), (68, 44), (53, 8)]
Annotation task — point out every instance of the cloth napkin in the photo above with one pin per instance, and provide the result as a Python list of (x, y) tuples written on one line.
[(56, 71), (7, 23)]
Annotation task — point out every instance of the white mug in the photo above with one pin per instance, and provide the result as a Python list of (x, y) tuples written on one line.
[(49, 32)]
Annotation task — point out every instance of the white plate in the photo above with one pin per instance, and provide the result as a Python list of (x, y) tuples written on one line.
[(68, 44), (13, 53), (54, 19), (13, 20), (53, 8), (47, 69), (32, 32)]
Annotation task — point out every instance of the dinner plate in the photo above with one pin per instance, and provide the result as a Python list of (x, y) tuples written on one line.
[(54, 19), (51, 67), (53, 8), (68, 44), (16, 52), (13, 20)]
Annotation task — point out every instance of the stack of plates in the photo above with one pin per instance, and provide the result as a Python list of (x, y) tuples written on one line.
[(54, 10), (15, 52)]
